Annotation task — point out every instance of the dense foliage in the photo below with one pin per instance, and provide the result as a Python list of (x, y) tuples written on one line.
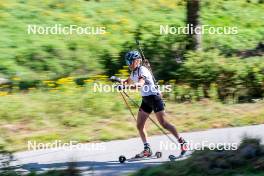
[(32, 58)]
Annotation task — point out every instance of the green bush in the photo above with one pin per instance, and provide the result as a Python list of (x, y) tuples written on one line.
[(233, 77)]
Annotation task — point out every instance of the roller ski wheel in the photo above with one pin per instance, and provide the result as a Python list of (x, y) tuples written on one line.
[(173, 158), (158, 154), (122, 159)]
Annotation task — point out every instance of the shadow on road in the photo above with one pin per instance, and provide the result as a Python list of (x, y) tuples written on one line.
[(94, 167)]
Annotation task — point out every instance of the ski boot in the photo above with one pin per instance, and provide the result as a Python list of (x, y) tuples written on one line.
[(145, 153), (184, 145), (184, 149)]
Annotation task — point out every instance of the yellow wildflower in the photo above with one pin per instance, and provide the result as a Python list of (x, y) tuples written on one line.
[(16, 78), (3, 93)]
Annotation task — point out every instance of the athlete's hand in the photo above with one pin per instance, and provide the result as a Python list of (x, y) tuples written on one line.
[(120, 87), (115, 79)]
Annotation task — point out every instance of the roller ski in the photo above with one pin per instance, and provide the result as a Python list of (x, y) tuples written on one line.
[(184, 151), (145, 154)]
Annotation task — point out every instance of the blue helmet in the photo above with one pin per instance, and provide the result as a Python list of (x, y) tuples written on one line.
[(132, 55)]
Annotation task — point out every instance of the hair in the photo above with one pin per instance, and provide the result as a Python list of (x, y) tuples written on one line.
[(140, 60)]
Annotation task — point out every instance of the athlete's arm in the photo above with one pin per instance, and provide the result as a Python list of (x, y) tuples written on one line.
[(126, 84), (139, 84), (127, 81)]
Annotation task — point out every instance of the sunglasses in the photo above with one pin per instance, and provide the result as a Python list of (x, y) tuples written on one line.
[(129, 62)]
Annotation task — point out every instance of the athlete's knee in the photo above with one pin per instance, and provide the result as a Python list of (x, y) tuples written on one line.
[(140, 127), (165, 124)]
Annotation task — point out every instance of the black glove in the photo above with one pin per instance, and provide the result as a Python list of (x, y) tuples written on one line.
[(115, 79), (120, 87)]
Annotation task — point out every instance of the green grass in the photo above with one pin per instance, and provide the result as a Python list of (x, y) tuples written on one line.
[(82, 115), (39, 57)]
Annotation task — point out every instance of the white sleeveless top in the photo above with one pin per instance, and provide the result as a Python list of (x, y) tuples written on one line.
[(149, 88)]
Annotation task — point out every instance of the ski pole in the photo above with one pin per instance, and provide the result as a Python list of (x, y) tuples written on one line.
[(141, 51), (145, 60), (128, 107)]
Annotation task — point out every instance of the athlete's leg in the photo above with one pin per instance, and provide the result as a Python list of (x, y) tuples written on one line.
[(141, 120), (165, 124), (143, 115)]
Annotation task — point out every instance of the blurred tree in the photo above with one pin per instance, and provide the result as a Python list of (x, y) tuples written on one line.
[(195, 37)]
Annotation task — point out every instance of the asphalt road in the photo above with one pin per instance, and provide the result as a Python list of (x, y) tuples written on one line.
[(101, 159)]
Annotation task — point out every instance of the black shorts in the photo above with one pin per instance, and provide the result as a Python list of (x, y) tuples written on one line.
[(152, 102)]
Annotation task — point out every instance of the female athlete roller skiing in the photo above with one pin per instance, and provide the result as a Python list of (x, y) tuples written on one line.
[(142, 77)]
